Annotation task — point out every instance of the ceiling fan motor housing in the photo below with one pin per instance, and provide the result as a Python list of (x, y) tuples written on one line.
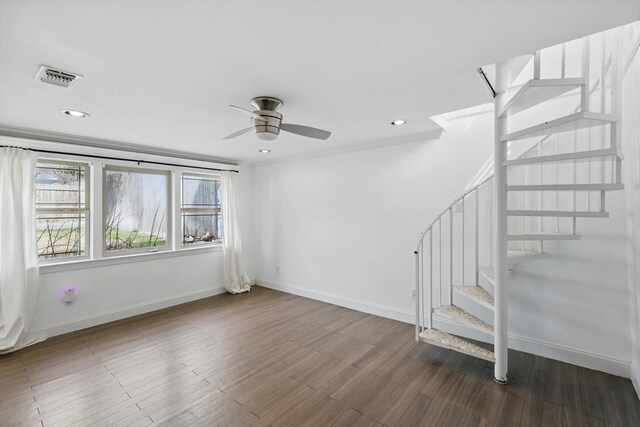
[(269, 129), (266, 108)]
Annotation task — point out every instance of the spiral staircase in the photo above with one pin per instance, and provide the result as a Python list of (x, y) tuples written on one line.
[(556, 156)]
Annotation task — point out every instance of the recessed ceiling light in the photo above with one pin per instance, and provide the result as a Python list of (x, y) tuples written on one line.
[(264, 150), (398, 122), (76, 113)]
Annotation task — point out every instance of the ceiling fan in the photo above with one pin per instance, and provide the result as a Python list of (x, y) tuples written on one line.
[(267, 122)]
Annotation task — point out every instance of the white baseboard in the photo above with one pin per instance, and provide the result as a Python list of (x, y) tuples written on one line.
[(635, 378), (540, 348), (359, 305), (571, 355), (122, 313)]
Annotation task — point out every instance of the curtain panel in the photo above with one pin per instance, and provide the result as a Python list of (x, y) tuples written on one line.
[(18, 248), (236, 279)]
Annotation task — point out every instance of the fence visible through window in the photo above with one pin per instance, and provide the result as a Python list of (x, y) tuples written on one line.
[(62, 209)]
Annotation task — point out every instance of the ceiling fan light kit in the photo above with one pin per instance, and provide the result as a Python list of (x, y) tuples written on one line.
[(267, 122), (268, 128)]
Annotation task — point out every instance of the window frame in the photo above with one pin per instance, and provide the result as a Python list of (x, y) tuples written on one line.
[(87, 211), (168, 247), (180, 210)]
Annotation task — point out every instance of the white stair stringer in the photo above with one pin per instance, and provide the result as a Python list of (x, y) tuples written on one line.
[(451, 342), (463, 318)]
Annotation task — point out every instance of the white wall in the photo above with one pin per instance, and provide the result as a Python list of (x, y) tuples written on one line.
[(346, 224), (111, 292), (111, 289), (342, 228), (631, 151)]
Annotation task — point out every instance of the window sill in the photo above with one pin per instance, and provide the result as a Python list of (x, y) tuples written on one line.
[(124, 259)]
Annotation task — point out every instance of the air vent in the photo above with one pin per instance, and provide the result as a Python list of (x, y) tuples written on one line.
[(57, 77)]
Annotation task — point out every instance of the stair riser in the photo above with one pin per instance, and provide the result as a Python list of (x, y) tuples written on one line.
[(463, 331), (486, 284), (472, 306)]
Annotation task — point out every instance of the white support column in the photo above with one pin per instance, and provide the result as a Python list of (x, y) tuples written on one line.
[(500, 250)]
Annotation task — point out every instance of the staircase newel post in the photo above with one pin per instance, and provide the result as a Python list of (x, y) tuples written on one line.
[(500, 247)]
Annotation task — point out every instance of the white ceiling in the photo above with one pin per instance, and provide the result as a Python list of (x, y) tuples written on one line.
[(162, 73)]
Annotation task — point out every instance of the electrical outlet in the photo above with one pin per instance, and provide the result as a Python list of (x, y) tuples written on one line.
[(413, 294), (277, 269)]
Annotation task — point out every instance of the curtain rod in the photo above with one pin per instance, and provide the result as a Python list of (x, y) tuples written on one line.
[(119, 158)]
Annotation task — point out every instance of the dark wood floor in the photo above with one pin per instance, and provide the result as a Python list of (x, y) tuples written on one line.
[(269, 358)]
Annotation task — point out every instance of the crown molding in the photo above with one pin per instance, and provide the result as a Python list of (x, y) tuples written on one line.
[(85, 141)]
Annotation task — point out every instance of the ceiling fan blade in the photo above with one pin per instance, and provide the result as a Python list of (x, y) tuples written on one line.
[(249, 113), (305, 131), (238, 133)]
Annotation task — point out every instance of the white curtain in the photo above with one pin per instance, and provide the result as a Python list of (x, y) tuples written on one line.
[(235, 278), (18, 248)]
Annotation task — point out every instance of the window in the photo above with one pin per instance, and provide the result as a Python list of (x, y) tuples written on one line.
[(136, 213), (200, 209), (62, 209)]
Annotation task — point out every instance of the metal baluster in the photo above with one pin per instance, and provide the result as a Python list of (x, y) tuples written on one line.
[(417, 296), (463, 209), (522, 204), (451, 254), (477, 193), (422, 281), (440, 259), (557, 192), (564, 57), (491, 225), (430, 324), (575, 165), (603, 96)]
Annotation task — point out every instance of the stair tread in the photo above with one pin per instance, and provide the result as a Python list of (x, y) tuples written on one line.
[(537, 91), (443, 339), (567, 214), (464, 318), (543, 236), (566, 187), (476, 293), (517, 254), (575, 121), (563, 157), (513, 255)]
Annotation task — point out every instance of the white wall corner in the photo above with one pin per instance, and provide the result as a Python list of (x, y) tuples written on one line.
[(77, 324)]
